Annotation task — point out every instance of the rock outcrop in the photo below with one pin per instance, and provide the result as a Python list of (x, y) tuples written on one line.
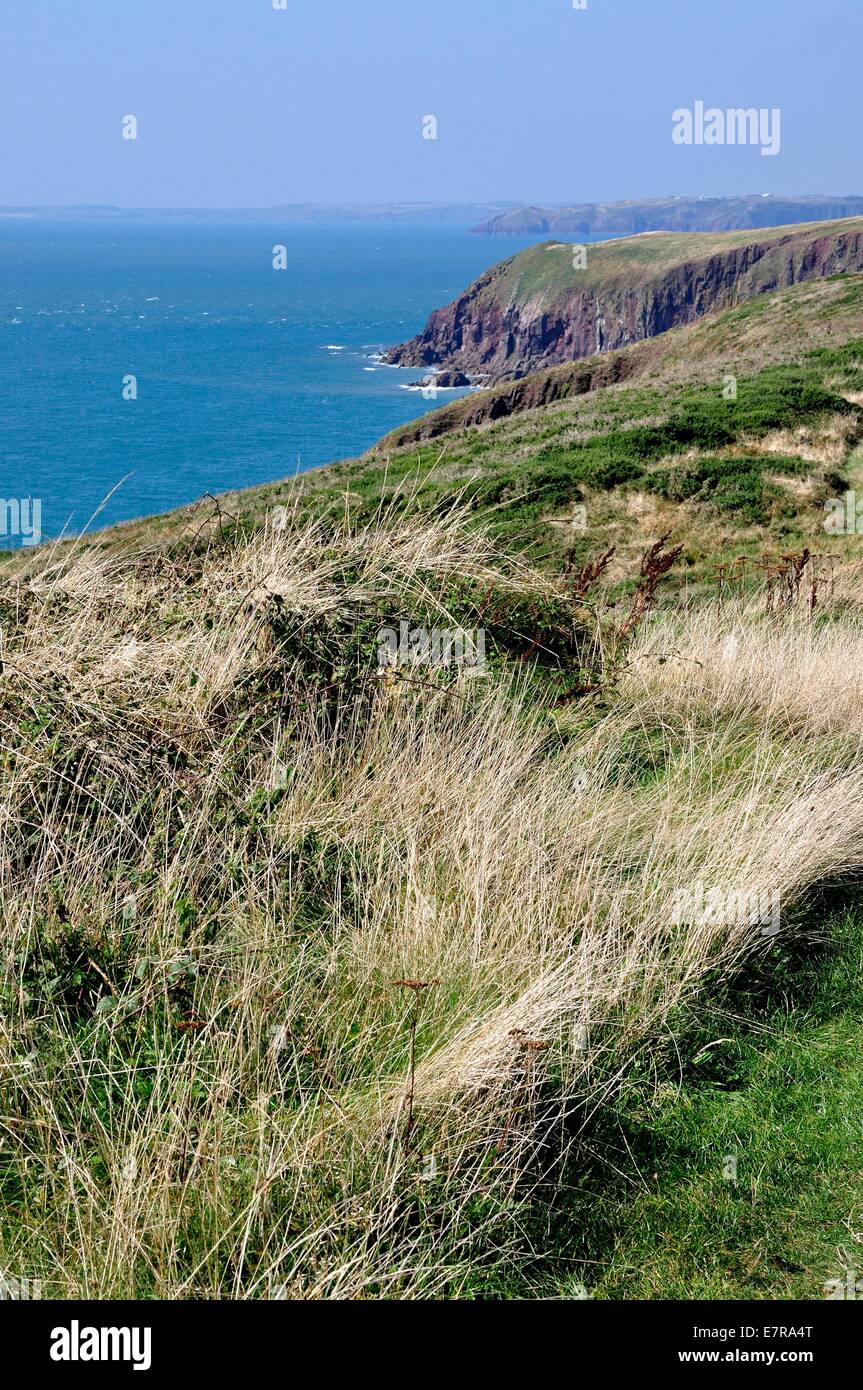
[(446, 380)]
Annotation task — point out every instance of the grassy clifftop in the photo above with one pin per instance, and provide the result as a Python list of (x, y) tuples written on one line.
[(547, 269)]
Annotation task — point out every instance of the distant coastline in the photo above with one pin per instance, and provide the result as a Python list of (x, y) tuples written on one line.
[(504, 217), (443, 214), (676, 214)]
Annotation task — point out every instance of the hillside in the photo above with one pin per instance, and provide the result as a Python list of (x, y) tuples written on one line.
[(547, 305), (772, 329), (331, 979), (669, 215)]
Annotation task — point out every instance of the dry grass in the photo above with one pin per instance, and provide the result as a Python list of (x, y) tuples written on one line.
[(826, 443), (221, 850)]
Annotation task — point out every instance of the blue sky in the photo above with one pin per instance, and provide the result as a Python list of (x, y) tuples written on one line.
[(242, 105)]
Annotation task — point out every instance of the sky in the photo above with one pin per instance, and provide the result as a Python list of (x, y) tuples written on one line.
[(240, 104)]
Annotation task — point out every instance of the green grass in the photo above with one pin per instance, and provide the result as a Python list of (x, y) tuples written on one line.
[(771, 1078)]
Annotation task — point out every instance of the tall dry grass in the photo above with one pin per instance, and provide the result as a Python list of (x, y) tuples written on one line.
[(311, 978)]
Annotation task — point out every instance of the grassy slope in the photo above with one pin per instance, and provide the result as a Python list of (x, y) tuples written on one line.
[(226, 840), (141, 773), (784, 1089)]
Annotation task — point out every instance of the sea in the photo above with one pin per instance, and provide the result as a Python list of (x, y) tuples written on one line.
[(144, 364)]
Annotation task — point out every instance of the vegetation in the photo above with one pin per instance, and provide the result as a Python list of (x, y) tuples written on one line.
[(736, 1172), (324, 978)]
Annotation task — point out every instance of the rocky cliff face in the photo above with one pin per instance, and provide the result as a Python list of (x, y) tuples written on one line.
[(520, 317)]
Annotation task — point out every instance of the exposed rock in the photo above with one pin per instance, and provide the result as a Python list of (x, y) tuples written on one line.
[(444, 379)]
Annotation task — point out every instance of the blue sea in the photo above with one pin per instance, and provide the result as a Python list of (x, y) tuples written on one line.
[(244, 374)]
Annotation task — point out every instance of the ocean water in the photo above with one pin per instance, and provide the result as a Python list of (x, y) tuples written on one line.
[(244, 374)]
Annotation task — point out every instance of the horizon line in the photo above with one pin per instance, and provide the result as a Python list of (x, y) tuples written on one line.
[(416, 203)]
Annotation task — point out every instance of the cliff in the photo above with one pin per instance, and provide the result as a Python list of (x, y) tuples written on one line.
[(550, 305)]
